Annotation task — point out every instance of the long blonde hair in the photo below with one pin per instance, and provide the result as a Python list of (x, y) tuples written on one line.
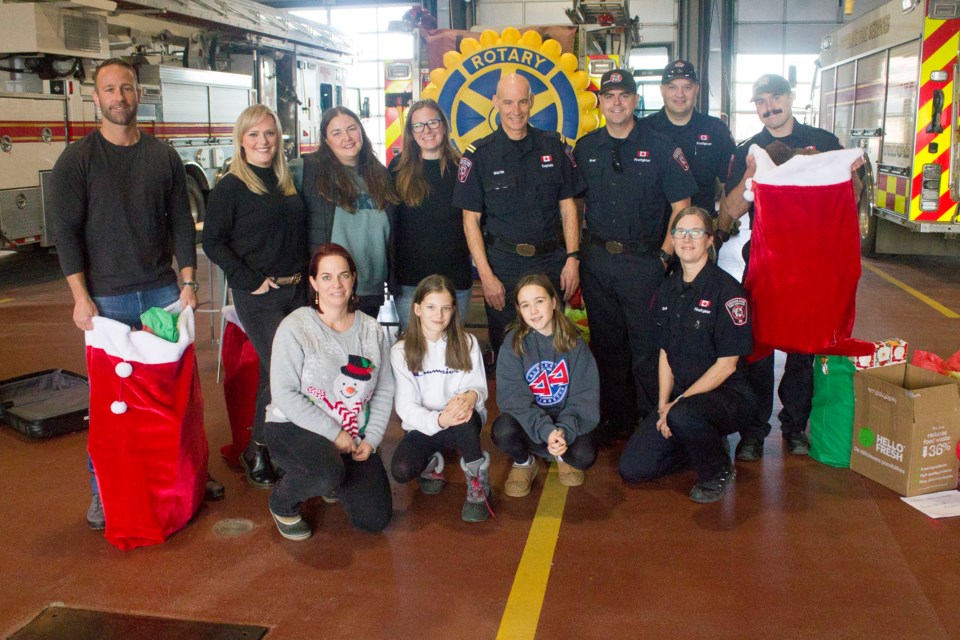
[(411, 185), (239, 165), (565, 333), (458, 341)]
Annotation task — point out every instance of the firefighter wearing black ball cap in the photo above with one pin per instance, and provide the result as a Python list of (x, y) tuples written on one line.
[(634, 175), (773, 98), (705, 140)]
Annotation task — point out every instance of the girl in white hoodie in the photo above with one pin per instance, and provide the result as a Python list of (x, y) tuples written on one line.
[(441, 389)]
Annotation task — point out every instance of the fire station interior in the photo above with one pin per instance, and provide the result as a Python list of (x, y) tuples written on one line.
[(795, 549)]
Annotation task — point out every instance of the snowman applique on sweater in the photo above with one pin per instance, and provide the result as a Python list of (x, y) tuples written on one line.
[(351, 394)]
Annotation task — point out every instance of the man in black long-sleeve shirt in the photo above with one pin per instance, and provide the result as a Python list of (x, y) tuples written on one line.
[(120, 213)]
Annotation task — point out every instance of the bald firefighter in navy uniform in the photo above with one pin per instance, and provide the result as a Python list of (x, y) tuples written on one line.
[(705, 140), (633, 175), (516, 188), (773, 98)]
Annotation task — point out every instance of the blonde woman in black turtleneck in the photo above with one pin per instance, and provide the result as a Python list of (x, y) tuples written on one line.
[(253, 230)]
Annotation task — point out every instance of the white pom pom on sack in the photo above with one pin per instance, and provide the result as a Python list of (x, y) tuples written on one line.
[(118, 407), (124, 369)]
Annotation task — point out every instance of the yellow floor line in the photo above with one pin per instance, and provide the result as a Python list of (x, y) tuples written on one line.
[(919, 296), (522, 613), (3, 300)]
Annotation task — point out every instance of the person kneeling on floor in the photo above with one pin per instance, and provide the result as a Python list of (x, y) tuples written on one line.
[(703, 327), (441, 391), (331, 386), (548, 390)]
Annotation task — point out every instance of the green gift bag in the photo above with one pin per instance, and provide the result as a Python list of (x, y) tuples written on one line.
[(831, 418)]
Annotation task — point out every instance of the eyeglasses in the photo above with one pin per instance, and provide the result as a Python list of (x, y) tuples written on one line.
[(696, 234), (433, 123), (615, 161)]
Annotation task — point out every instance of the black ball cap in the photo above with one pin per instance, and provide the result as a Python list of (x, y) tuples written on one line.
[(679, 69), (618, 79)]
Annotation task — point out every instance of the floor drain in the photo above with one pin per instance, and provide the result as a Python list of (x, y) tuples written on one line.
[(233, 527)]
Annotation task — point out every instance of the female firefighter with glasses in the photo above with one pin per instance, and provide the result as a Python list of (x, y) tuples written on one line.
[(703, 329)]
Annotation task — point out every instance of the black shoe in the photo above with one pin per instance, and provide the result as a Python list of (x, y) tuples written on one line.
[(714, 488), (749, 449), (256, 462), (214, 491), (798, 444)]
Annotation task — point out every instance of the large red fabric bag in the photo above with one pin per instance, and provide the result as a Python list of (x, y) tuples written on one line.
[(804, 255), (241, 374), (147, 439)]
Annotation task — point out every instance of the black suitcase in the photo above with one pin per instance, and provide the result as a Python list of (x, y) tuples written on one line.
[(46, 403)]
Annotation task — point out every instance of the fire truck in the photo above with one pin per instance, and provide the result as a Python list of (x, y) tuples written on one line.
[(199, 65), (888, 86)]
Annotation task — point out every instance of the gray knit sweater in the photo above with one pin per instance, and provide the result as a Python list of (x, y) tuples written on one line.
[(318, 382)]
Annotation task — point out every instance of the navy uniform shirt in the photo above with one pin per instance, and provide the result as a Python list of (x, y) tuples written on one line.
[(701, 321), (708, 145), (629, 204), (802, 137), (517, 186)]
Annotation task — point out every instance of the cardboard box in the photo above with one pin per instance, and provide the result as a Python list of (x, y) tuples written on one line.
[(905, 429), (885, 354)]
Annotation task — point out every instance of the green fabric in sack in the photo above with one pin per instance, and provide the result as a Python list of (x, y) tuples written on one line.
[(161, 323), (831, 418)]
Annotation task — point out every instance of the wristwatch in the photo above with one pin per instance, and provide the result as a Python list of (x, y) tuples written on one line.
[(722, 236), (665, 257), (192, 283), (574, 254)]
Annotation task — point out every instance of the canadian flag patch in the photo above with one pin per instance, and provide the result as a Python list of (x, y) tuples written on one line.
[(643, 154), (546, 158), (704, 304), (704, 137)]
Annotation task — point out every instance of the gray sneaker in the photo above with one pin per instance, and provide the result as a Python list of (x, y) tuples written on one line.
[(298, 529), (95, 519)]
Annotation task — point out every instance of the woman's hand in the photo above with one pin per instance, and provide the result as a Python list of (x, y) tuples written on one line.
[(344, 442), (458, 410), (265, 286), (556, 443), (662, 421), (362, 451)]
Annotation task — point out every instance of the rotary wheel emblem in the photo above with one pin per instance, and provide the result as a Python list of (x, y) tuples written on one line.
[(465, 86)]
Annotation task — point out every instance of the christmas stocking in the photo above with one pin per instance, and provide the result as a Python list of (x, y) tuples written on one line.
[(241, 374)]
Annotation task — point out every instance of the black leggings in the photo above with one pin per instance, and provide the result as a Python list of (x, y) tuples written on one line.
[(414, 451), (510, 437), (313, 467)]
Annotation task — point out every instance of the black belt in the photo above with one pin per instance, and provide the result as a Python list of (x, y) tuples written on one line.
[(524, 249), (616, 247), (284, 280)]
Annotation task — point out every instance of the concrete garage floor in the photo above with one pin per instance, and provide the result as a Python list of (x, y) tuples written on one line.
[(797, 550)]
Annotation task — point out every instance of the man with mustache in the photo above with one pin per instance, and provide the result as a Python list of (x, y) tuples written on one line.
[(773, 98), (120, 215), (516, 188)]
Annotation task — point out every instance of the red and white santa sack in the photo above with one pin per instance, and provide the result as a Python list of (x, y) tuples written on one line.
[(241, 375), (146, 439), (804, 254)]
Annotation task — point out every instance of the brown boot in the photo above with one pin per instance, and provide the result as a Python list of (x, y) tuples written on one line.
[(568, 475), (521, 478)]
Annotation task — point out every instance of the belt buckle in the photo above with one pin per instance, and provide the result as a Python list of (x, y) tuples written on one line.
[(613, 247), (296, 278), (526, 250)]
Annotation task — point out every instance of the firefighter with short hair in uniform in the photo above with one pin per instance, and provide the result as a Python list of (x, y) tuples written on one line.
[(516, 188), (773, 98), (706, 141), (634, 175)]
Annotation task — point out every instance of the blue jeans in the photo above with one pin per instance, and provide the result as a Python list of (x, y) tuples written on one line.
[(404, 301), (127, 308)]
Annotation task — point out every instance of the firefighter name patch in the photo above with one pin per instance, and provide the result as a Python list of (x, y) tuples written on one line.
[(737, 308), (464, 169)]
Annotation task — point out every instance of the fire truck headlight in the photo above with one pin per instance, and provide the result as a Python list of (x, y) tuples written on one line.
[(938, 76)]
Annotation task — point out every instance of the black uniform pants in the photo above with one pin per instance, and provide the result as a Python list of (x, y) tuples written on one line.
[(697, 424), (313, 467), (509, 436), (260, 316), (415, 450), (795, 390), (510, 268), (618, 292)]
